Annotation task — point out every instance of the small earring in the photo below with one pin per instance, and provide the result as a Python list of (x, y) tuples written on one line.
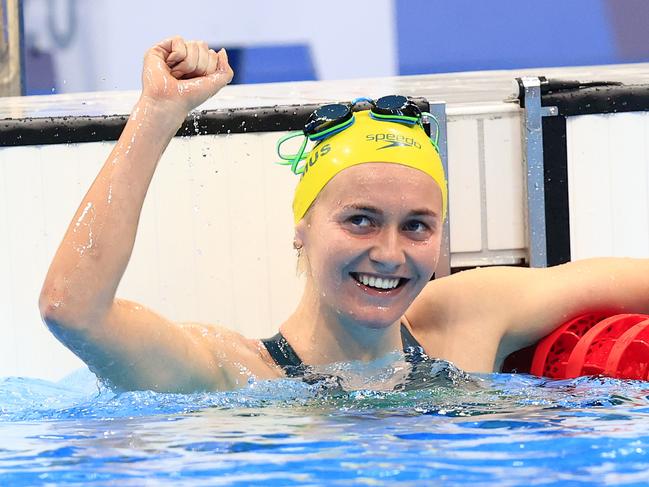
[(298, 247)]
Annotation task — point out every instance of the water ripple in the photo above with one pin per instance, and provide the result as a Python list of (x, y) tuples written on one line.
[(441, 427)]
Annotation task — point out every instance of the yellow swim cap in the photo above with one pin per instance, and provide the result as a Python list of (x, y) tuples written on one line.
[(367, 140)]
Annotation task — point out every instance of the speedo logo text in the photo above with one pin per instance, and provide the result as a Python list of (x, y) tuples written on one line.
[(393, 140)]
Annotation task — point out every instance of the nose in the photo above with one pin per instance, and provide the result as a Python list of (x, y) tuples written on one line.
[(387, 252)]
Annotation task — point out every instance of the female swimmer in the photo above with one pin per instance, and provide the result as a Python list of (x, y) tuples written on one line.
[(369, 249)]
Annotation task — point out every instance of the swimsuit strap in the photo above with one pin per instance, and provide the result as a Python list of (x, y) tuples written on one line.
[(407, 339), (411, 347), (285, 356)]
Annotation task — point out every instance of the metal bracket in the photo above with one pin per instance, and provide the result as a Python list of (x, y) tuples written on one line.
[(533, 141), (438, 110), (549, 111)]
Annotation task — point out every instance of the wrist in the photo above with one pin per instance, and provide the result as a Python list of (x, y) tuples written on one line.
[(164, 112)]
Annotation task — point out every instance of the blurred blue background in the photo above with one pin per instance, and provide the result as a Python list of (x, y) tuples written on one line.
[(466, 35), (73, 45)]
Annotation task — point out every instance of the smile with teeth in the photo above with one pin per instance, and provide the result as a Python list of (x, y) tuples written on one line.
[(384, 283)]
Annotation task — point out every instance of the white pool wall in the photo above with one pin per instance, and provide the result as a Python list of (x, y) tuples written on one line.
[(608, 181)]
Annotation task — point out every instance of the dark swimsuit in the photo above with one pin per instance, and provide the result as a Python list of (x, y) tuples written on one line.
[(284, 355)]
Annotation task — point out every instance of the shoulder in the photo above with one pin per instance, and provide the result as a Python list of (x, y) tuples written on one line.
[(463, 317), (241, 357)]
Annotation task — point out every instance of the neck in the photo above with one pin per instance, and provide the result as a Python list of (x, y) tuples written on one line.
[(320, 335)]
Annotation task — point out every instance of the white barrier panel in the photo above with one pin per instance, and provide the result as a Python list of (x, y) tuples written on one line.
[(214, 242), (608, 181)]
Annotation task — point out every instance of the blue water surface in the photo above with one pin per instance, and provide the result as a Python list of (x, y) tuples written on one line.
[(443, 427)]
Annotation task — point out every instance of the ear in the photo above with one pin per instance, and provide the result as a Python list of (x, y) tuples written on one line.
[(300, 234)]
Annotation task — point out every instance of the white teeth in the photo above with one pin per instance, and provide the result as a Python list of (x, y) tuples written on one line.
[(378, 282)]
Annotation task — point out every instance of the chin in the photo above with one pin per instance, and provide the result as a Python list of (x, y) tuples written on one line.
[(375, 318)]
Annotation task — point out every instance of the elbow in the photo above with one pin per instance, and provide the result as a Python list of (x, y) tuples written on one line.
[(47, 303), (62, 322), (62, 311), (50, 307), (55, 311)]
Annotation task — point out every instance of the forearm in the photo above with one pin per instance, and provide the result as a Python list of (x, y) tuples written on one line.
[(95, 251), (547, 298)]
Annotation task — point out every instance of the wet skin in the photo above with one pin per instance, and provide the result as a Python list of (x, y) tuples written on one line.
[(381, 220), (372, 220)]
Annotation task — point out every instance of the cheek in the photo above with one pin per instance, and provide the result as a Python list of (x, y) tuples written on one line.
[(330, 254), (427, 256)]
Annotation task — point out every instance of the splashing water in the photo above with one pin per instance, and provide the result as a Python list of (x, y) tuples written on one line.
[(440, 426)]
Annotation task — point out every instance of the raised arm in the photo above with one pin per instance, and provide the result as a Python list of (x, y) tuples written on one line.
[(121, 341)]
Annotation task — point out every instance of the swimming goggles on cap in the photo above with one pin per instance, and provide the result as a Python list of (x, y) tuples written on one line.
[(328, 120)]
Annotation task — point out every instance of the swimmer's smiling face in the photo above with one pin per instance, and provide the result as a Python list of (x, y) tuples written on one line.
[(372, 240)]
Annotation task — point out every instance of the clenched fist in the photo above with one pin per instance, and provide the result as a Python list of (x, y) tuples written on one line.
[(183, 74)]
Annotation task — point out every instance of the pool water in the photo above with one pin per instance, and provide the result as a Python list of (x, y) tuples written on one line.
[(441, 427)]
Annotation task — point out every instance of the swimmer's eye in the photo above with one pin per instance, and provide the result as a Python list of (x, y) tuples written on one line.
[(418, 228), (361, 221)]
